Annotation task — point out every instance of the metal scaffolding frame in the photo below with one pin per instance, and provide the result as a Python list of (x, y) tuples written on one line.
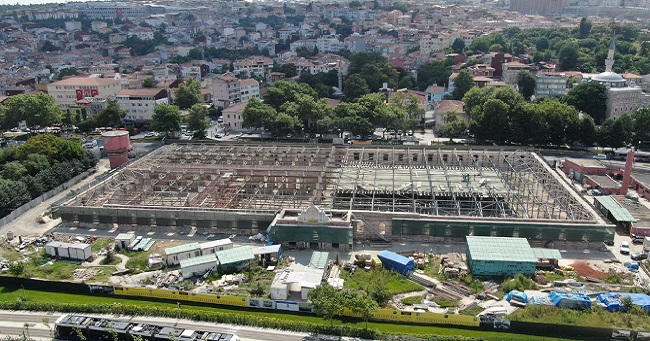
[(377, 179), (510, 185)]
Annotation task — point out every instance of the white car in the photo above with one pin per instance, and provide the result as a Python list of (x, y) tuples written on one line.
[(625, 248)]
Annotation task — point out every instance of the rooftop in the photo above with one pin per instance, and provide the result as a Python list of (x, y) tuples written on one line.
[(319, 259), (181, 248), (211, 258), (503, 249), (236, 255), (620, 213), (86, 81)]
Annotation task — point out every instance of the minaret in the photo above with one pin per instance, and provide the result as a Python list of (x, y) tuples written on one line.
[(609, 62)]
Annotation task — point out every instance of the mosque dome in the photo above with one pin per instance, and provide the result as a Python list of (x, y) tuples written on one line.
[(609, 77)]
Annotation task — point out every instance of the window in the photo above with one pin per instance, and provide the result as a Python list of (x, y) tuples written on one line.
[(385, 157), (400, 157), (356, 156)]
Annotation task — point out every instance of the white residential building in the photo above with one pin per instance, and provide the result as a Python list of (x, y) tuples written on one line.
[(255, 66), (139, 104), (329, 44), (228, 90)]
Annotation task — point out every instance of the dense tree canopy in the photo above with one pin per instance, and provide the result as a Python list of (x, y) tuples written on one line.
[(374, 68), (282, 92), (188, 94), (111, 116), (589, 98), (166, 118), (462, 84), (526, 84), (38, 109), (197, 120)]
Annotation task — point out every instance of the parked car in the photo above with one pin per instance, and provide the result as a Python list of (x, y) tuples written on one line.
[(625, 248), (637, 239), (639, 255)]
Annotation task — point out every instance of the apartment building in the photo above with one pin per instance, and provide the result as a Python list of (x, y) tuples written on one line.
[(552, 83), (139, 104), (68, 91), (511, 70), (228, 90), (255, 66)]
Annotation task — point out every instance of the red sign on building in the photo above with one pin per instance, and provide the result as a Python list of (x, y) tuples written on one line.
[(81, 94)]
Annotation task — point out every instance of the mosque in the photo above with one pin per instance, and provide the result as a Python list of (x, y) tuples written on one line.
[(621, 96)]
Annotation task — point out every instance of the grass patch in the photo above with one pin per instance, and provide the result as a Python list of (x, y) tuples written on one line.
[(413, 300), (11, 294), (391, 280), (138, 261), (473, 311), (101, 244), (596, 318), (446, 304)]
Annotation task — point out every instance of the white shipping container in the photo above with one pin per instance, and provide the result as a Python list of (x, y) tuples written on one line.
[(80, 251)]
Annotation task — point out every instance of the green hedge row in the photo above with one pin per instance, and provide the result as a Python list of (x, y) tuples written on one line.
[(203, 316)]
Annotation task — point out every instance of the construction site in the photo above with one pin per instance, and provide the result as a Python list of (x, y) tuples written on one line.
[(385, 193)]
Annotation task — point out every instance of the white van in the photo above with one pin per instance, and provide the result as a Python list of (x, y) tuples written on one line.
[(600, 157)]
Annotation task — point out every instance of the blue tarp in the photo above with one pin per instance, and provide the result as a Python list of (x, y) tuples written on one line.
[(571, 300), (612, 300), (397, 263), (517, 296)]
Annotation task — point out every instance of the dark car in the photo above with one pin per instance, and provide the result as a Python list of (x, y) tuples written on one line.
[(639, 256), (637, 239)]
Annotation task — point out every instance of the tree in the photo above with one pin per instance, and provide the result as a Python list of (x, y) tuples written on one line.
[(364, 305), (355, 86), (458, 46), (48, 46), (326, 301), (454, 125), (568, 56), (611, 133), (195, 54), (590, 98), (627, 306), (641, 118), (433, 72), (494, 121), (68, 71), (197, 120), (167, 118), (111, 116), (56, 149), (585, 28), (282, 92), (188, 94), (481, 44), (258, 114), (284, 123), (408, 110), (374, 68), (587, 131), (13, 194), (13, 170), (307, 109), (526, 84), (463, 82), (38, 109), (149, 83)]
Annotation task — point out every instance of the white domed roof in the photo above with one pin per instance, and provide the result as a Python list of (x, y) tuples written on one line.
[(609, 77)]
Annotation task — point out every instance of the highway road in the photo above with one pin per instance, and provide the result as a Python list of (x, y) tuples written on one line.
[(33, 325)]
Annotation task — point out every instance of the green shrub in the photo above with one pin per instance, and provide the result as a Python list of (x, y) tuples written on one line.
[(520, 282)]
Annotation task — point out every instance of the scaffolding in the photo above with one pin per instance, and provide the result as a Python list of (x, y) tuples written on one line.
[(181, 183), (437, 182)]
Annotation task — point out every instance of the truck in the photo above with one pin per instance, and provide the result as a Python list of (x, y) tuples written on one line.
[(646, 244)]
